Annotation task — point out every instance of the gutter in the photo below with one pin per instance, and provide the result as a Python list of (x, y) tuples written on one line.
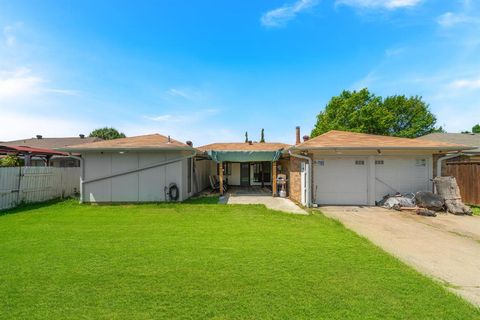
[(308, 199), (439, 165)]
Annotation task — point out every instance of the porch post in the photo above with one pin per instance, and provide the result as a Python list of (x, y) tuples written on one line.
[(274, 178), (220, 174)]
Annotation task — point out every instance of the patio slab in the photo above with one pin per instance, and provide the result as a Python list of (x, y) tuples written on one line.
[(274, 203)]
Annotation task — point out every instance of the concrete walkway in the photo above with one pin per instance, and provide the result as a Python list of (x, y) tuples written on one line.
[(274, 203), (445, 247)]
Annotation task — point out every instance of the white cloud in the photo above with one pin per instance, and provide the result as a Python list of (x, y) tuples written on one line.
[(280, 16), (21, 82), (185, 118), (385, 4), (466, 84), (186, 93)]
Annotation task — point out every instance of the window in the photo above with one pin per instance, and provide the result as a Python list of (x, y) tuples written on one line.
[(360, 162), (379, 162), (421, 162), (320, 162)]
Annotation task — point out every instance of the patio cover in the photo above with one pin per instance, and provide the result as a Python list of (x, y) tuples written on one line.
[(244, 156)]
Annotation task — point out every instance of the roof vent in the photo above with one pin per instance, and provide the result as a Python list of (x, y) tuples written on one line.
[(82, 136), (305, 138), (39, 136), (190, 143), (250, 142)]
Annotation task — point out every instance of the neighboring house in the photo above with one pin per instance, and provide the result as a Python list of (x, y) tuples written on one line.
[(469, 139), (50, 144), (335, 168)]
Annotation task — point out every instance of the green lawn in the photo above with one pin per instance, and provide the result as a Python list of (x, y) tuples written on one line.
[(195, 261)]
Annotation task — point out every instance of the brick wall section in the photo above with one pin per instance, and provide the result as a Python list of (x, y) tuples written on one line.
[(294, 186)]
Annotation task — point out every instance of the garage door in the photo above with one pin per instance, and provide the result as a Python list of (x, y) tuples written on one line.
[(404, 175), (341, 181)]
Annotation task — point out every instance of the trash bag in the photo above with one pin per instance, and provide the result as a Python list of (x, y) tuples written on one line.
[(399, 201), (429, 200)]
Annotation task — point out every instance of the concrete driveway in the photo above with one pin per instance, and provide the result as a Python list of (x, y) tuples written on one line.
[(445, 247)]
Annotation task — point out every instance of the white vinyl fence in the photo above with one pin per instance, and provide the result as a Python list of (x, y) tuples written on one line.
[(36, 184)]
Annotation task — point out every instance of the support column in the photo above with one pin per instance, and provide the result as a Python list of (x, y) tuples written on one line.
[(220, 176), (274, 178)]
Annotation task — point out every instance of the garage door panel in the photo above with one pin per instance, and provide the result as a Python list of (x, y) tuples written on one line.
[(404, 175), (341, 181)]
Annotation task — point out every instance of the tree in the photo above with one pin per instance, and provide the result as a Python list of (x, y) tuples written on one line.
[(362, 111), (476, 128), (107, 133), (246, 136), (262, 136), (10, 160)]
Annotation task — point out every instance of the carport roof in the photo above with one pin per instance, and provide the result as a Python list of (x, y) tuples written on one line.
[(146, 142), (244, 146), (336, 139), (244, 151)]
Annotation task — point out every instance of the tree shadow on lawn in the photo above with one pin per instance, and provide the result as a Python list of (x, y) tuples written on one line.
[(24, 207)]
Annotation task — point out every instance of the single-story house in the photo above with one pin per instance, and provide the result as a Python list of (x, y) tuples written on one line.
[(337, 167), (52, 159)]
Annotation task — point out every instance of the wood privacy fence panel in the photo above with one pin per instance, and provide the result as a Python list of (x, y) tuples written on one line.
[(468, 179), (35, 184)]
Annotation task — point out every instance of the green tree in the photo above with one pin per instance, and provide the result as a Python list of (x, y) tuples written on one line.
[(476, 128), (107, 133), (246, 136), (362, 111), (262, 136), (10, 160)]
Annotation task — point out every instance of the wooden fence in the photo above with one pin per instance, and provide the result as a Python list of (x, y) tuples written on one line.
[(36, 184), (468, 179)]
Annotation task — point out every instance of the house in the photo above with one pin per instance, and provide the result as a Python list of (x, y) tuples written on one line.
[(338, 167), (56, 160), (149, 168)]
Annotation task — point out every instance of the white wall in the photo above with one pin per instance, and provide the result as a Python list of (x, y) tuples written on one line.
[(144, 186)]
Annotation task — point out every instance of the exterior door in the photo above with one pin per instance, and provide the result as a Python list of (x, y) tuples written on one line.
[(245, 174)]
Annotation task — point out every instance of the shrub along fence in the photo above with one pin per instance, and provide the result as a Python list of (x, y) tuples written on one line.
[(35, 184), (467, 175)]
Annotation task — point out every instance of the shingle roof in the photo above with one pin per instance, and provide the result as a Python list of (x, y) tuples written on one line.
[(470, 139), (145, 142), (351, 140), (50, 143), (243, 146)]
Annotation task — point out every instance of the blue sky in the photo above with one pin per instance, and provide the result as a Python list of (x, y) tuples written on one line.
[(210, 70)]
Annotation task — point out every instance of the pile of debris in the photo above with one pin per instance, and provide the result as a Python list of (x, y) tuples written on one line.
[(426, 203)]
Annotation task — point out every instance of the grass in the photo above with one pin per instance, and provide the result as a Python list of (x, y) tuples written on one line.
[(195, 261), (476, 210)]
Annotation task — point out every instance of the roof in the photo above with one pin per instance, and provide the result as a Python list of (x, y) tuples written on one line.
[(51, 143), (146, 142), (357, 141), (471, 139), (29, 150), (243, 146)]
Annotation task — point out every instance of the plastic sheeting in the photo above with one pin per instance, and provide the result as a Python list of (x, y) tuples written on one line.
[(244, 156)]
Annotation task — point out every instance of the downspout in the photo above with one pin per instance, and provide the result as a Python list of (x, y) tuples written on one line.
[(439, 165), (309, 176)]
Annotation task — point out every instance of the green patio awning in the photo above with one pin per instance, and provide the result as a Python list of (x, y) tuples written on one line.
[(244, 156)]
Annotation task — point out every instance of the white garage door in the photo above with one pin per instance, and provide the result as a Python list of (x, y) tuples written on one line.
[(404, 175), (341, 181)]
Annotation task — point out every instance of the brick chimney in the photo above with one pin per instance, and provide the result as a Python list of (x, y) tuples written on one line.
[(39, 136), (297, 135), (82, 136)]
